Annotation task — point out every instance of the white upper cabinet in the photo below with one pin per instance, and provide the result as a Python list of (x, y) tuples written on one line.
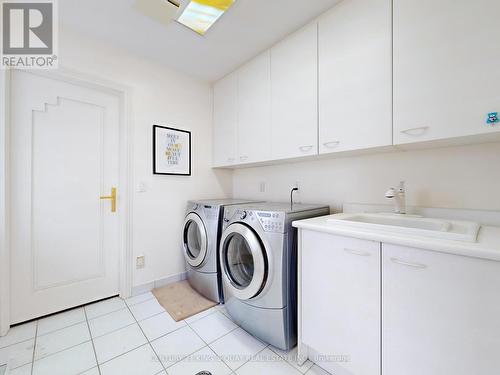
[(446, 68), (355, 76), (225, 121), (254, 110), (294, 95)]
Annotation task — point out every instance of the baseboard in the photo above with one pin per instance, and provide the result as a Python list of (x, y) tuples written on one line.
[(147, 287)]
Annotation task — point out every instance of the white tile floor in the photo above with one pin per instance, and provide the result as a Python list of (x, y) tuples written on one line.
[(137, 337)]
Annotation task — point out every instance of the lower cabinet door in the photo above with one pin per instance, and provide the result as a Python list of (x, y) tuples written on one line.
[(340, 286), (441, 313)]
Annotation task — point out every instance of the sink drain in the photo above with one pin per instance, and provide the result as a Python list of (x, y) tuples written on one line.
[(204, 373)]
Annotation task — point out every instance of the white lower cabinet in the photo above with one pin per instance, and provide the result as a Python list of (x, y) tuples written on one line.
[(441, 313), (394, 310), (340, 286)]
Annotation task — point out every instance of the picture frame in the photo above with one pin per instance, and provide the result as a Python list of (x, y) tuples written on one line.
[(171, 151)]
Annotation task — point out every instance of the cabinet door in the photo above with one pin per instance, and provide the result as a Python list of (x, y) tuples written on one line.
[(446, 75), (341, 301), (441, 313), (294, 95), (355, 76), (254, 110), (225, 121)]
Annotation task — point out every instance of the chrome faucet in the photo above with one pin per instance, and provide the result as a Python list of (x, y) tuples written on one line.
[(399, 197)]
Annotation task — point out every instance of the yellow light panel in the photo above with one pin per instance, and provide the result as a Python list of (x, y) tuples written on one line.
[(200, 15)]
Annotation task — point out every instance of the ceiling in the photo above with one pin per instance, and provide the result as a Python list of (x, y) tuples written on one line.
[(249, 27)]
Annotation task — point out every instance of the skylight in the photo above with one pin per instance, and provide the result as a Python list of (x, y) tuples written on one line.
[(200, 15)]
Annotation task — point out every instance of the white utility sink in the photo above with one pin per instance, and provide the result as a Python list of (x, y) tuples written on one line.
[(411, 225)]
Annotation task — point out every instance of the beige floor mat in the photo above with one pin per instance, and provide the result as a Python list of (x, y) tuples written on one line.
[(181, 301)]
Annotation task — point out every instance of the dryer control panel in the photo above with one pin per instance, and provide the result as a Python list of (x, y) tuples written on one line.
[(271, 221)]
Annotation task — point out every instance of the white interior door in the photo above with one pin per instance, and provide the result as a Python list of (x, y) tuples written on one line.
[(64, 156)]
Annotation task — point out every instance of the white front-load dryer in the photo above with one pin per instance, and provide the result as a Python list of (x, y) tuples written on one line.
[(200, 241), (258, 256)]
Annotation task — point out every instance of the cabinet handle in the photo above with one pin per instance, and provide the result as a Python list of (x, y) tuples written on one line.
[(408, 264), (331, 144), (243, 158), (416, 131), (230, 160), (357, 252), (305, 148)]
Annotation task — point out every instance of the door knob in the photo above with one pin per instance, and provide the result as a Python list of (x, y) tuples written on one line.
[(111, 197)]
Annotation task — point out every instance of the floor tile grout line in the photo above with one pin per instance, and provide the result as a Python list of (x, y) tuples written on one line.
[(137, 303), (105, 314), (60, 329), (204, 316), (147, 339), (83, 372), (237, 326), (208, 345), (59, 351), (166, 334), (128, 325), (186, 356), (252, 357), (124, 353), (113, 331), (34, 349), (287, 360), (224, 335), (147, 317), (92, 341), (17, 343), (86, 319), (218, 338)]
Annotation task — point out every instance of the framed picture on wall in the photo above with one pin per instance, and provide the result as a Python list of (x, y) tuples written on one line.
[(171, 151)]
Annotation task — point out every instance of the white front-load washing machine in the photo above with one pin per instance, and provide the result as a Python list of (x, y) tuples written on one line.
[(200, 238), (258, 256)]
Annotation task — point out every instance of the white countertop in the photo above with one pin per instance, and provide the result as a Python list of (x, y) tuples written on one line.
[(486, 247)]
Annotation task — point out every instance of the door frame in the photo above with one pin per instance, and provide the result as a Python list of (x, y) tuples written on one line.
[(124, 93)]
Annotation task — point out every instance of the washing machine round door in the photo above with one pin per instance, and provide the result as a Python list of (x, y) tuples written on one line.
[(195, 240), (243, 261)]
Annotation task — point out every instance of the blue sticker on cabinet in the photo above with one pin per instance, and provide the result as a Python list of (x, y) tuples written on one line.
[(493, 118)]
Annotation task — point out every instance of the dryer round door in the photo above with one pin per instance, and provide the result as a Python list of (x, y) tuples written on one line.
[(243, 261), (195, 240)]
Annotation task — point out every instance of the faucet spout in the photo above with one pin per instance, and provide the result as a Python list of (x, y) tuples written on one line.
[(399, 197)]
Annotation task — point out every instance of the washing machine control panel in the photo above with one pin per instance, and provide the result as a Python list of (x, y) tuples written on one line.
[(271, 221)]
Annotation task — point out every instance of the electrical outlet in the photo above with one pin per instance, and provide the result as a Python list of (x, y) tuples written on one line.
[(142, 187), (262, 187), (140, 262)]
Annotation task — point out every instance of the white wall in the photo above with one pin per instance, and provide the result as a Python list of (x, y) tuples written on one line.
[(164, 97), (456, 177), (4, 208)]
